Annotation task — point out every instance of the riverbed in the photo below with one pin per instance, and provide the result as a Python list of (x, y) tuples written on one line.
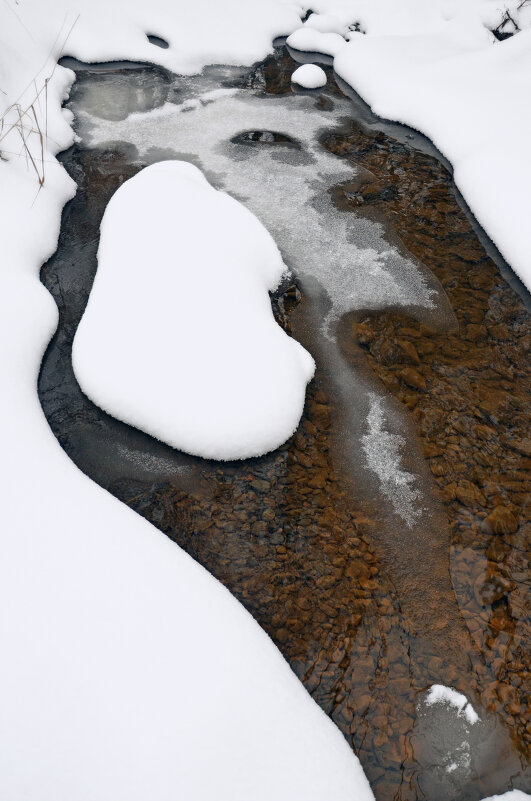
[(383, 546)]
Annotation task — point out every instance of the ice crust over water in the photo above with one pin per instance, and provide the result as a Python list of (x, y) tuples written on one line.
[(455, 745), (383, 452), (287, 188), (342, 260), (178, 337)]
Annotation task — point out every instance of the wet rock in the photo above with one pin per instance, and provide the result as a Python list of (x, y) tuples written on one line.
[(261, 485), (500, 521), (469, 494), (408, 351), (499, 331), (497, 550), (475, 332), (484, 432), (412, 378), (491, 588), (523, 446), (364, 334)]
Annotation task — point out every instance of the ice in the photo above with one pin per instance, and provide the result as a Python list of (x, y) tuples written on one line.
[(127, 671), (309, 76), (436, 67), (454, 745), (383, 453), (287, 188), (178, 337)]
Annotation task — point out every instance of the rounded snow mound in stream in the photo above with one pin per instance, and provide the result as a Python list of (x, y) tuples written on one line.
[(178, 337), (310, 76)]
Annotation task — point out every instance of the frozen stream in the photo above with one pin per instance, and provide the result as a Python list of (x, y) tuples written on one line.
[(338, 543)]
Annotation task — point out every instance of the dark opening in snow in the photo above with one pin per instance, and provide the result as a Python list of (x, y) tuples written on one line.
[(158, 41)]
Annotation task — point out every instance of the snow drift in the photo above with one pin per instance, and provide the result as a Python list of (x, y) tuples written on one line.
[(178, 337)]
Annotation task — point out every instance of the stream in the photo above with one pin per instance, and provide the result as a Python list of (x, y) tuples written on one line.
[(383, 548)]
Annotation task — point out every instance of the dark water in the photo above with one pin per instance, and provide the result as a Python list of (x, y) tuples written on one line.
[(368, 610)]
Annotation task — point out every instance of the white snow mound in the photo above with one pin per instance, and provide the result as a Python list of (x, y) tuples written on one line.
[(325, 23), (309, 76), (178, 337), (310, 40)]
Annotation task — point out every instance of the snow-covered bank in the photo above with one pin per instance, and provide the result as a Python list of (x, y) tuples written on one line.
[(127, 672), (218, 378), (106, 624), (436, 67)]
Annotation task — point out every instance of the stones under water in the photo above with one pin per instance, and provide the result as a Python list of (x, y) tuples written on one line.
[(367, 610)]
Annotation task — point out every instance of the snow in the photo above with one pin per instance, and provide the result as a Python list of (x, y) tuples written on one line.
[(178, 337), (128, 672), (313, 41), (440, 694), (511, 795), (288, 189), (309, 76), (436, 67), (326, 23), (468, 101)]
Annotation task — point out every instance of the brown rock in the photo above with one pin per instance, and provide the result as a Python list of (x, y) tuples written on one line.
[(438, 467), (408, 350), (282, 635), (499, 331), (318, 481), (364, 333), (410, 332), (490, 588), (500, 521), (412, 378), (475, 332), (484, 432), (497, 550), (261, 485), (449, 492), (523, 446), (321, 415), (469, 494)]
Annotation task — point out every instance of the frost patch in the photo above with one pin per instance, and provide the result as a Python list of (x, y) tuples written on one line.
[(383, 454)]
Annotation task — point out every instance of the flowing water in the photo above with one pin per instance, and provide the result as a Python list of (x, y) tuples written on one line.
[(383, 546)]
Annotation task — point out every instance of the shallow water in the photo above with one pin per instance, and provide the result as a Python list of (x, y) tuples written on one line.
[(373, 578)]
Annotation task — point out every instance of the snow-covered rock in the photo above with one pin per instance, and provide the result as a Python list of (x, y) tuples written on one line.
[(127, 671), (178, 337), (309, 76), (310, 40), (325, 23)]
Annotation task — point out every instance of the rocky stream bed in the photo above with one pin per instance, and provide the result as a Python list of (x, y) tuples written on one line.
[(368, 610)]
